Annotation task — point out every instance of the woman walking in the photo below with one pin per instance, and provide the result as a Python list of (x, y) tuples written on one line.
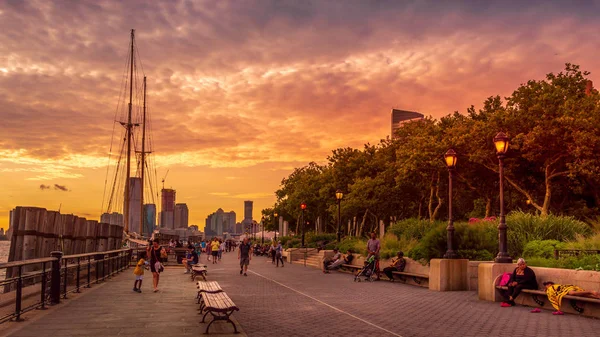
[(155, 252)]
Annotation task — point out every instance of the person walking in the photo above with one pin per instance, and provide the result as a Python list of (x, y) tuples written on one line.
[(222, 248), (373, 247), (215, 250), (244, 255), (156, 252), (139, 272), (279, 254)]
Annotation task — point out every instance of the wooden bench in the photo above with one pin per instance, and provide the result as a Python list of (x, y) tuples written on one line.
[(220, 306), (352, 267), (199, 270), (207, 287), (416, 277), (539, 297)]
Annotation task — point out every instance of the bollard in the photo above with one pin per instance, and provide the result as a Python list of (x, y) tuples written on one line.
[(55, 278)]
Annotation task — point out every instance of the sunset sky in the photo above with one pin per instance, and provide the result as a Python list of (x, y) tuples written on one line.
[(242, 92)]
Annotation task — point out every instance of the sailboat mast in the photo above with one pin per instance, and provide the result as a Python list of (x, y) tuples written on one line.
[(129, 126), (143, 164)]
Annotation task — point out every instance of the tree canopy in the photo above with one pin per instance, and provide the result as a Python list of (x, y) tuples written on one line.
[(552, 165)]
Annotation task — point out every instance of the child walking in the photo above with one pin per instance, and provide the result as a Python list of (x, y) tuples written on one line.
[(139, 272)]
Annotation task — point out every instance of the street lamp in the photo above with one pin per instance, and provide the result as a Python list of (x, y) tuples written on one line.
[(262, 227), (276, 225), (303, 207), (339, 195), (450, 158), (501, 142)]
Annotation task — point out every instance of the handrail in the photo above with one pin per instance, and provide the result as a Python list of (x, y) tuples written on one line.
[(26, 262), (96, 253)]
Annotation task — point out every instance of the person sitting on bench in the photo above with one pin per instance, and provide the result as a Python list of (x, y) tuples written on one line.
[(398, 264), (556, 292), (329, 262), (189, 262), (523, 277)]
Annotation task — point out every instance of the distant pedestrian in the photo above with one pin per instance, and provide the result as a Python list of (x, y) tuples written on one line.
[(245, 255), (221, 249), (156, 253), (215, 250), (373, 247), (279, 254), (139, 272)]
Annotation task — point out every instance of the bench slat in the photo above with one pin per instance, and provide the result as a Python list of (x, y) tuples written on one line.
[(410, 274), (543, 293)]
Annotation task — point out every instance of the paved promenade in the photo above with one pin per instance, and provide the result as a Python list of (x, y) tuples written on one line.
[(292, 301)]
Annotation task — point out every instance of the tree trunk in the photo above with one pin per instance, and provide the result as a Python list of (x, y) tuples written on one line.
[(548, 195), (439, 199), (431, 194), (362, 224), (488, 207)]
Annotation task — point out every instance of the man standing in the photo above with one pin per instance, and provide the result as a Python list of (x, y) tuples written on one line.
[(373, 248), (244, 255)]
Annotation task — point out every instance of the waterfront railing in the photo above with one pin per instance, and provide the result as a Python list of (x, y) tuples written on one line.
[(38, 283)]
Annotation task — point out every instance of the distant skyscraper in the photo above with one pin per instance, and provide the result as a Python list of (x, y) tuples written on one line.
[(248, 210), (149, 219), (400, 117), (135, 200), (219, 222), (181, 216), (167, 208)]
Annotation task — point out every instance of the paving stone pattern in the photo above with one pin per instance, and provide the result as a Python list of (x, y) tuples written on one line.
[(295, 301)]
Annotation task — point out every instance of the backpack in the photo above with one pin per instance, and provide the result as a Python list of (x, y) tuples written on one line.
[(505, 279)]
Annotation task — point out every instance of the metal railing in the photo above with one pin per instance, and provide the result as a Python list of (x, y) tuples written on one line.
[(558, 253), (34, 284)]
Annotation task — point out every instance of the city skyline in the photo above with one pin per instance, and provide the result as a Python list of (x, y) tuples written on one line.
[(250, 90)]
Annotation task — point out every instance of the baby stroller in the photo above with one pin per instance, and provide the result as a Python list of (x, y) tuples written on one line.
[(368, 271)]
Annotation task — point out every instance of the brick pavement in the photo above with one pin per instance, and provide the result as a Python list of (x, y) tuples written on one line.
[(302, 301), (295, 301)]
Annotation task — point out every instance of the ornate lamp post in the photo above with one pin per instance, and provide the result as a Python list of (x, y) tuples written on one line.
[(501, 142), (303, 207), (450, 158), (262, 230), (276, 225), (339, 195)]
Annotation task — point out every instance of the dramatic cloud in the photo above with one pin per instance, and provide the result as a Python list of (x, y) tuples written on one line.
[(241, 85)]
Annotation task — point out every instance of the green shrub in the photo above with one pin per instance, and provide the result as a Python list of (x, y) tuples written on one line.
[(330, 245), (293, 243), (585, 243), (413, 228), (583, 262), (542, 248), (475, 255), (525, 227), (473, 241), (284, 240), (312, 237)]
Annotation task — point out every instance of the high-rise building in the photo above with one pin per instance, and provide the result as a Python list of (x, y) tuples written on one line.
[(400, 117), (167, 208), (181, 216), (135, 200), (149, 219), (248, 210), (219, 222)]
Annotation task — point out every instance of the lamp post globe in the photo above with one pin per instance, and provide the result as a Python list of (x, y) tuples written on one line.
[(501, 142), (450, 158), (339, 195)]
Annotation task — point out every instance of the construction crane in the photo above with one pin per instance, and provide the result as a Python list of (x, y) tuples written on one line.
[(163, 179)]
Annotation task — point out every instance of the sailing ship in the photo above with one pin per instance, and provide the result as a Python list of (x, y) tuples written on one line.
[(127, 208)]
